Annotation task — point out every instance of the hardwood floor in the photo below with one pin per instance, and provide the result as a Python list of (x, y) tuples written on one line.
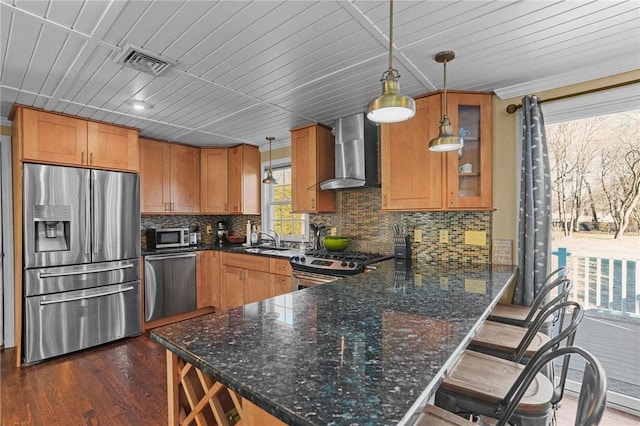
[(122, 383)]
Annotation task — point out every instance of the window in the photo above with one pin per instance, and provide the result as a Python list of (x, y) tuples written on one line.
[(277, 213)]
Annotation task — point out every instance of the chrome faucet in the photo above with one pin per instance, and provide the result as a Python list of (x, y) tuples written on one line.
[(273, 235)]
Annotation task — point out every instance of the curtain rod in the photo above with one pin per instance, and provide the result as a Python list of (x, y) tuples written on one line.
[(511, 108)]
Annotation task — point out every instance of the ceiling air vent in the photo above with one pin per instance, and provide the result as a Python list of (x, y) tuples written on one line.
[(143, 60)]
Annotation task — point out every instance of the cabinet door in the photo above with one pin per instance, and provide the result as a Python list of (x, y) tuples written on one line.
[(279, 284), (411, 174), (185, 179), (155, 176), (112, 147), (245, 179), (214, 181), (312, 161), (53, 138), (232, 287), (469, 171), (208, 279), (256, 286)]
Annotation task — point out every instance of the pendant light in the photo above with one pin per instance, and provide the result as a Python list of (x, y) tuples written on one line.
[(446, 141), (391, 106), (270, 180)]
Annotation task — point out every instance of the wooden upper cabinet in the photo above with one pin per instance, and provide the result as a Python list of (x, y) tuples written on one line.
[(245, 179), (312, 161), (53, 138), (112, 147), (214, 180), (469, 171), (411, 174), (59, 139), (414, 178), (185, 179), (155, 176), (169, 177)]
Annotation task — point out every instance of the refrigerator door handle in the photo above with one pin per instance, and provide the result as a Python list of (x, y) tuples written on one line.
[(90, 271), (91, 296)]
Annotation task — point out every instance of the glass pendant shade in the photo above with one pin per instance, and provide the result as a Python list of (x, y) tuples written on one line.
[(391, 106), (270, 180)]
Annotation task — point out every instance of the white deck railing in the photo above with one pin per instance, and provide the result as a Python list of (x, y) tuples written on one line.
[(603, 283)]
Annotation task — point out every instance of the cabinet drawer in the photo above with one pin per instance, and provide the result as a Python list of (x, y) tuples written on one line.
[(246, 261), (280, 266)]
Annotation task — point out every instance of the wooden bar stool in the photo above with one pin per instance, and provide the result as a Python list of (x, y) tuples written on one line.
[(478, 382), (591, 401), (523, 315), (517, 343)]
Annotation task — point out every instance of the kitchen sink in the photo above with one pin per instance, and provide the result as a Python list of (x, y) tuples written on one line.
[(269, 250)]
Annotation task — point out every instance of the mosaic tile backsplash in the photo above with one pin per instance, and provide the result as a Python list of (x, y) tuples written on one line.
[(236, 225), (358, 216)]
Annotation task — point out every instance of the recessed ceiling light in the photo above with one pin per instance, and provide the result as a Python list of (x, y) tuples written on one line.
[(139, 105)]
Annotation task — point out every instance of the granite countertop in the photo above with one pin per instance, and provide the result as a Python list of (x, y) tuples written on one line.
[(368, 349)]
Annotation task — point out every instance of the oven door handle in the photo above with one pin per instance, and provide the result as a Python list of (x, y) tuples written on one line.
[(86, 271), (90, 296)]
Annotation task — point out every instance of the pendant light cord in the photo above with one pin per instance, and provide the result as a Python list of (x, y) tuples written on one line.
[(390, 36), (444, 101)]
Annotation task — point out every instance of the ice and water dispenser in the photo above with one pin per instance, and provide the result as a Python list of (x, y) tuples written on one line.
[(52, 226)]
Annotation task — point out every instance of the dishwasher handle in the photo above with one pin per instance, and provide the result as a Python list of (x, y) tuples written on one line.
[(169, 256)]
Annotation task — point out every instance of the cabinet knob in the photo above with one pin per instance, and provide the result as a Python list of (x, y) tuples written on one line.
[(82, 157), (91, 158), (313, 203), (172, 207)]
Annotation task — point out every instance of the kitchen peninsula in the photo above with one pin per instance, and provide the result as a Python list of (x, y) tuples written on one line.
[(368, 349)]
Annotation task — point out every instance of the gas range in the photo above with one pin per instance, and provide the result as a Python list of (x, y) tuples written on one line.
[(335, 263)]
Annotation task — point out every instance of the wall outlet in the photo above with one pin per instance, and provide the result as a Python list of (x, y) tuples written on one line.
[(334, 230), (475, 238), (209, 229), (417, 235), (444, 236)]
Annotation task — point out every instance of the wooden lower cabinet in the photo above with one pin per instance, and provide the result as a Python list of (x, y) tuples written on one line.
[(208, 289), (248, 278)]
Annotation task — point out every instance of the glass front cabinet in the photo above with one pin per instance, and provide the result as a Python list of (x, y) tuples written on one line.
[(468, 170)]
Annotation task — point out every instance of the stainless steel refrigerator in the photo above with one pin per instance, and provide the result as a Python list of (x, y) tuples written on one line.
[(81, 259)]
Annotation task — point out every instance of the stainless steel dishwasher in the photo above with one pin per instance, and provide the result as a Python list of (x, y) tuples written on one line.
[(169, 285)]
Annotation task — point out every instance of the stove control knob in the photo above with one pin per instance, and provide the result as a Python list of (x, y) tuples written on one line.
[(302, 259), (296, 258), (351, 264), (344, 263)]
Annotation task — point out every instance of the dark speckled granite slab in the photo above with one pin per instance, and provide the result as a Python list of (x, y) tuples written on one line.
[(369, 349)]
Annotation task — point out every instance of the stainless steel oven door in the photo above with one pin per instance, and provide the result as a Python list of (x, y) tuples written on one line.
[(301, 280)]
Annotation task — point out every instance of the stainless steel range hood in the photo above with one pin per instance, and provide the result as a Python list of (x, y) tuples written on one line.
[(356, 154)]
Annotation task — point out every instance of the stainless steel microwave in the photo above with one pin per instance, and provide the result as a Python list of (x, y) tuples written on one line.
[(158, 238)]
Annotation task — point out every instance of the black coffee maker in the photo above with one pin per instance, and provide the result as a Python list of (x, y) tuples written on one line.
[(221, 233)]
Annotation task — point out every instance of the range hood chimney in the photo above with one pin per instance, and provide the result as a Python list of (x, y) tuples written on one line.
[(356, 154)]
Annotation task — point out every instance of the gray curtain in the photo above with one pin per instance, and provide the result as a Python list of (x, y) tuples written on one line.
[(534, 213)]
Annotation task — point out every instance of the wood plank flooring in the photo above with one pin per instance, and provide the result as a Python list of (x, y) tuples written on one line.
[(122, 383)]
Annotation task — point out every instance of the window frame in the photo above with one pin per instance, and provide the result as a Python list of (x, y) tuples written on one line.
[(266, 201)]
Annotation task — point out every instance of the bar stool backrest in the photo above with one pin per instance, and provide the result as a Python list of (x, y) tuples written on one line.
[(593, 394), (555, 280)]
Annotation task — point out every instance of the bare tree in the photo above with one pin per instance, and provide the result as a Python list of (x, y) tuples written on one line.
[(620, 174), (572, 148)]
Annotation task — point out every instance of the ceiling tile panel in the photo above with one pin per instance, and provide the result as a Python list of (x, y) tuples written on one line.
[(228, 37), (23, 39), (249, 69)]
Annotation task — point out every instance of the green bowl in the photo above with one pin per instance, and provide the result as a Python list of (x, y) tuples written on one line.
[(336, 243)]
